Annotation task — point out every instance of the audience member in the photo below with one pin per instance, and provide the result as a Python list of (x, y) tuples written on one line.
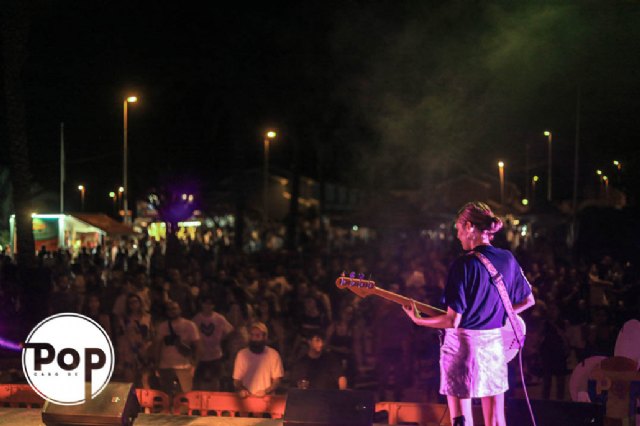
[(177, 350), (318, 368), (214, 328), (257, 369)]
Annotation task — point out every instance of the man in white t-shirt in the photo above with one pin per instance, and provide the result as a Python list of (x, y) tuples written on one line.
[(257, 370), (213, 328), (178, 349)]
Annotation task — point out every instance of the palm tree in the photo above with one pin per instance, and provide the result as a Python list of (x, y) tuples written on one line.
[(15, 28)]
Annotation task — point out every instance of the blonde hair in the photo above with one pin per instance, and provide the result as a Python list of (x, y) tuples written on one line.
[(480, 215)]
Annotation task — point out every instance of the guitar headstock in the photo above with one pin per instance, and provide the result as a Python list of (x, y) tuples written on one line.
[(359, 285)]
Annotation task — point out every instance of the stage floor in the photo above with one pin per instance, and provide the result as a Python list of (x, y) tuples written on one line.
[(33, 417)]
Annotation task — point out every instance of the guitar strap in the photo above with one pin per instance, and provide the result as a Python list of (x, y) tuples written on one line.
[(496, 278)]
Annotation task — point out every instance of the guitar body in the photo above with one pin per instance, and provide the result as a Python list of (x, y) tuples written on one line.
[(509, 340)]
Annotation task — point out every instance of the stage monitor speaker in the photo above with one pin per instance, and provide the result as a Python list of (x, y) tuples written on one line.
[(117, 404), (315, 407), (554, 413)]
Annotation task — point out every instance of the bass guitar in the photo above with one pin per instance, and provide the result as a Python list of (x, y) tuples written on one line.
[(363, 288)]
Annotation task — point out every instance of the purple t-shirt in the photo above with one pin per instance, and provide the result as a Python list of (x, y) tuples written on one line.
[(470, 292)]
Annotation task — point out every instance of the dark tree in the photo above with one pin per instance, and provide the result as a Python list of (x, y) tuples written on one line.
[(15, 31)]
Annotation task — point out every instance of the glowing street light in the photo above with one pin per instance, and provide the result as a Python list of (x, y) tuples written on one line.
[(534, 180), (114, 198), (120, 195), (501, 172), (125, 195), (618, 165), (82, 190), (549, 136), (268, 137)]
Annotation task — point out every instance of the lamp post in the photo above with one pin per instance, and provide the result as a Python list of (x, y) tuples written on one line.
[(125, 195), (549, 136), (82, 189), (501, 172), (618, 166), (268, 137), (119, 195), (114, 198)]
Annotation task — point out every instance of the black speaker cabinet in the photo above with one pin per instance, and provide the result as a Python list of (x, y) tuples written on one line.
[(315, 407), (117, 404), (554, 413)]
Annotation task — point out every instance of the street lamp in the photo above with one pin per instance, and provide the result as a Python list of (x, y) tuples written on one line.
[(501, 172), (82, 189), (618, 166), (268, 137), (534, 180), (549, 138), (114, 198), (127, 219)]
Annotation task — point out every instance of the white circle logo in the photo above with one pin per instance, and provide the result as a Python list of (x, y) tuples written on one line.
[(68, 359)]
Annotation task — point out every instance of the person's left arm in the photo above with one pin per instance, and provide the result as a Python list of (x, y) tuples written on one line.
[(197, 351), (277, 373), (451, 319), (274, 385), (196, 343), (455, 299)]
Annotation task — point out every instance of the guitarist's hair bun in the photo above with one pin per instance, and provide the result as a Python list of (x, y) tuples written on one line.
[(479, 214)]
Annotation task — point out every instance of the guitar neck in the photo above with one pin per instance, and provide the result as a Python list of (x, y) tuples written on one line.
[(405, 301)]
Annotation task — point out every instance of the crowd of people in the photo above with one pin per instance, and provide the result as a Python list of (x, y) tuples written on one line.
[(185, 315)]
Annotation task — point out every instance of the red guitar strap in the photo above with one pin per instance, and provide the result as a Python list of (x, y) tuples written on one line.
[(497, 280)]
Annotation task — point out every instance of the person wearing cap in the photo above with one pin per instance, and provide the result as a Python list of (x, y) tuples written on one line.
[(257, 370)]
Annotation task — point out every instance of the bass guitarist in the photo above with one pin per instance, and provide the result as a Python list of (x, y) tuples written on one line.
[(472, 360)]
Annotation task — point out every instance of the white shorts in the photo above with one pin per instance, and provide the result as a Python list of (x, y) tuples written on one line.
[(472, 363)]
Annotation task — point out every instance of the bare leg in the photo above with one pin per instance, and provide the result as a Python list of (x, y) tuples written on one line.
[(460, 407), (493, 410)]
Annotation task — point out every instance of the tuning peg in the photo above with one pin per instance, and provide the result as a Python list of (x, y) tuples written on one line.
[(352, 274), (343, 274), (361, 276)]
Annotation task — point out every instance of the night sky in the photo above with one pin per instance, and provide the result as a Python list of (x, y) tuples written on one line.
[(393, 94)]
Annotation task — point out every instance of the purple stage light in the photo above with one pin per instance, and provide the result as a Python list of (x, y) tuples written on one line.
[(12, 346)]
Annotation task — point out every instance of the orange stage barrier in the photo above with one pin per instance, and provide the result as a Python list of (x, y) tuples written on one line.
[(153, 401), (19, 396), (228, 404)]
